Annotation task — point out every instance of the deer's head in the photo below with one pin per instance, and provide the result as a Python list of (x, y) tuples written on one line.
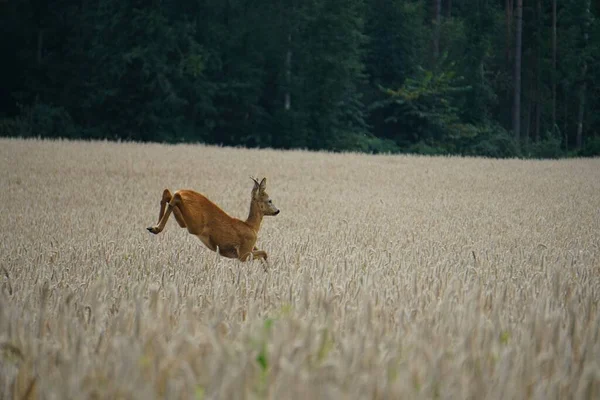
[(262, 198)]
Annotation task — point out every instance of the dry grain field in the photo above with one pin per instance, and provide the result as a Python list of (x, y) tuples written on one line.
[(392, 277)]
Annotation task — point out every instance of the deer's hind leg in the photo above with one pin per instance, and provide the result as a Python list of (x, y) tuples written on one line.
[(166, 198), (173, 206)]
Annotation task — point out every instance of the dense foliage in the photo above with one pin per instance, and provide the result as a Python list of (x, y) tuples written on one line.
[(436, 77)]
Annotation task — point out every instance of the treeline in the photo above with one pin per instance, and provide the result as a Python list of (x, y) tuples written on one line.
[(477, 77)]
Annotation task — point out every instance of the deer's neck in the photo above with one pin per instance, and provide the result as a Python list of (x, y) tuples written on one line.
[(255, 216)]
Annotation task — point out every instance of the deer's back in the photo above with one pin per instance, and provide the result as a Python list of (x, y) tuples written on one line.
[(201, 213)]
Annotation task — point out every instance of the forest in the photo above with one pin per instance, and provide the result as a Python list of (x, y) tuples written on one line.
[(495, 78)]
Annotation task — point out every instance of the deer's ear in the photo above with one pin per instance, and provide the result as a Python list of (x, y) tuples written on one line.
[(263, 184), (256, 184)]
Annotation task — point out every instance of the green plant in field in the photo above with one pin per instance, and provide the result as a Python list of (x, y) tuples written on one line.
[(286, 309), (262, 358), (325, 346)]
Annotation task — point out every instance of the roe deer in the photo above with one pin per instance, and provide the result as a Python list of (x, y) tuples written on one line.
[(231, 237)]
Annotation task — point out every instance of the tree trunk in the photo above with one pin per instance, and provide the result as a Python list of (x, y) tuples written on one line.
[(582, 91), (288, 74), (553, 66), (449, 9), (436, 28), (40, 46), (579, 138), (527, 125), (538, 83), (538, 118), (509, 17), (566, 117), (517, 73)]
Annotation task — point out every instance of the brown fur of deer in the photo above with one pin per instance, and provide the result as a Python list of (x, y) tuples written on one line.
[(231, 237)]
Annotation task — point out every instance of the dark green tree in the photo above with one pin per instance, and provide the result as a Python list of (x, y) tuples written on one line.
[(368, 75)]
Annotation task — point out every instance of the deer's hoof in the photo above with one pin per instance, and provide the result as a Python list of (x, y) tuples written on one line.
[(153, 229)]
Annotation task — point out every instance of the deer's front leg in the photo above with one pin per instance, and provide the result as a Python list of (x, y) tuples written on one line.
[(256, 254), (263, 258)]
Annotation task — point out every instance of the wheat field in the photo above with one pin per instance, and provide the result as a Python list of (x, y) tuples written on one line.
[(392, 277)]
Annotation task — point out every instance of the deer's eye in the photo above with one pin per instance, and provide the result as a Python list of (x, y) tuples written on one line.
[(270, 201)]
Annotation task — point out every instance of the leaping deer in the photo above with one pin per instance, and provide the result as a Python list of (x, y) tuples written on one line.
[(231, 237)]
